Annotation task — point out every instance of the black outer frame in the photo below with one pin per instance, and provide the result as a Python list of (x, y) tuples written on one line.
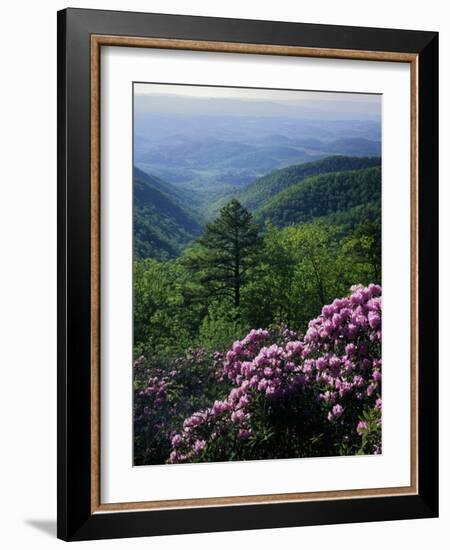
[(75, 521)]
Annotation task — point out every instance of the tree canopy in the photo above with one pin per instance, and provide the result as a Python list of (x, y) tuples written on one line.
[(226, 252)]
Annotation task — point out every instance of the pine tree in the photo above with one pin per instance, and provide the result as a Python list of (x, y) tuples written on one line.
[(226, 253)]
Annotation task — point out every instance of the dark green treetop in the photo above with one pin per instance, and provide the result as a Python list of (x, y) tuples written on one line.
[(226, 252)]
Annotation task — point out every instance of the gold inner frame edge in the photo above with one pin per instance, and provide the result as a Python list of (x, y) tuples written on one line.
[(97, 41)]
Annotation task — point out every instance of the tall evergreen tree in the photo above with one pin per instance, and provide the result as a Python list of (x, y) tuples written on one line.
[(226, 253)]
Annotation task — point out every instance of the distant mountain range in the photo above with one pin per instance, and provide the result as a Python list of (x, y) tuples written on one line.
[(207, 165), (342, 190), (211, 154), (299, 106)]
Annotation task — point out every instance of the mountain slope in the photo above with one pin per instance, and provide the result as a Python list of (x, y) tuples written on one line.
[(355, 147), (162, 227), (266, 187), (329, 195), (172, 191), (362, 214)]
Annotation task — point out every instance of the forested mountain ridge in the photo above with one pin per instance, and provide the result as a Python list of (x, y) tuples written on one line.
[(162, 226), (325, 195), (361, 215), (344, 191), (266, 187), (172, 191), (209, 153)]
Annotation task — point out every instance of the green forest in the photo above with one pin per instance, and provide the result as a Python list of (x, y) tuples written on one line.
[(298, 236), (269, 257)]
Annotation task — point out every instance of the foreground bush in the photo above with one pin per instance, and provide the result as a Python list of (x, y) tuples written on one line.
[(316, 396), (166, 392), (275, 394)]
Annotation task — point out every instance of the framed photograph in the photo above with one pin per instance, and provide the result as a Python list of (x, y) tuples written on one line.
[(247, 254)]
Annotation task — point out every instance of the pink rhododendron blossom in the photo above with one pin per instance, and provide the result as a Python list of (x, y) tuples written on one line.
[(362, 425), (337, 363)]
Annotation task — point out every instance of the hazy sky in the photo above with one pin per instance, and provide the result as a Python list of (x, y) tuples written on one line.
[(254, 94), (192, 99)]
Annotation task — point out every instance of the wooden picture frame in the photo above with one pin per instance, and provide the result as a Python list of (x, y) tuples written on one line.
[(81, 35)]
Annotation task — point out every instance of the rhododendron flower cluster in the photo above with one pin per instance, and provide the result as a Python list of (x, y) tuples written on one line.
[(337, 364), (164, 394), (214, 421)]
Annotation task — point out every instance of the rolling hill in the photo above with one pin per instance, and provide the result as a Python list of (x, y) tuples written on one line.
[(213, 155), (263, 189), (172, 191), (343, 197), (162, 225), (344, 191)]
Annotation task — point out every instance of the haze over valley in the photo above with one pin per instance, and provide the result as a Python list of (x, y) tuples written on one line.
[(195, 148)]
